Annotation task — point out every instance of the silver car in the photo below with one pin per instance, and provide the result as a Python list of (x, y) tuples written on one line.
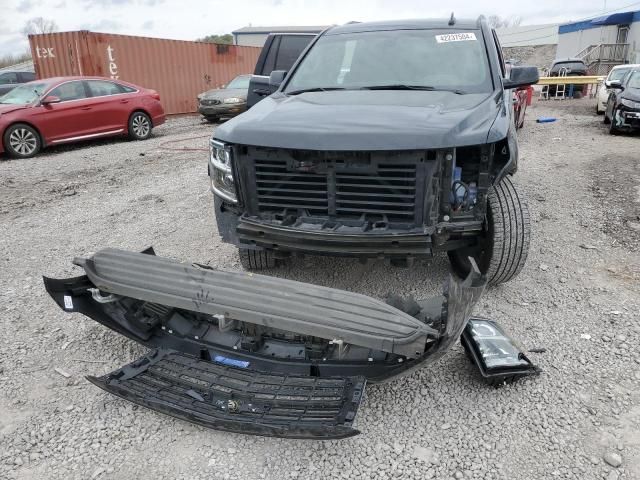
[(228, 101)]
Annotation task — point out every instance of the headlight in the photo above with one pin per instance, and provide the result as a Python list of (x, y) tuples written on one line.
[(630, 104), (233, 100), (222, 183)]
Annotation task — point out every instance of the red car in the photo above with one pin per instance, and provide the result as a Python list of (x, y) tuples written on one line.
[(68, 109)]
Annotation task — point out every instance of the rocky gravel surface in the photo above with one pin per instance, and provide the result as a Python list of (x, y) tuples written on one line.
[(578, 298)]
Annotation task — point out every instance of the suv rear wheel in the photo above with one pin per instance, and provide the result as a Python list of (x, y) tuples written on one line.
[(502, 250), (256, 259)]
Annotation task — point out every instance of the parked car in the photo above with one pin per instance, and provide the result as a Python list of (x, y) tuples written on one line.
[(280, 52), (227, 101), (59, 110), (10, 80), (569, 67), (623, 106), (617, 73), (350, 159)]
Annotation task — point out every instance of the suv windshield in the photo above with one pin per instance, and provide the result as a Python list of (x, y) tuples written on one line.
[(398, 59), (25, 93), (239, 82), (634, 81)]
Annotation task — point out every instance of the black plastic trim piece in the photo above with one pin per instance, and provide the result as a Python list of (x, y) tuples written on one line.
[(239, 400)]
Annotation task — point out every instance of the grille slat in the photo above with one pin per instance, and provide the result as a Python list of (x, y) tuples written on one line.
[(384, 189)]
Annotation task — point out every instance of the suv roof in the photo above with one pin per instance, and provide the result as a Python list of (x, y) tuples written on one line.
[(404, 25)]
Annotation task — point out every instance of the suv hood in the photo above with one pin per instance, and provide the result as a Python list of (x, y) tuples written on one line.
[(365, 120)]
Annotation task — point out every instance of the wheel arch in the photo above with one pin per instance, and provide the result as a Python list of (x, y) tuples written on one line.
[(141, 110), (43, 142)]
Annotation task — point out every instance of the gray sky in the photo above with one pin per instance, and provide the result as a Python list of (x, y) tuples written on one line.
[(190, 19)]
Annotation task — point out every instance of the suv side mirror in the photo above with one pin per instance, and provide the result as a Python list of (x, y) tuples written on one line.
[(276, 78), (521, 77), (49, 99), (616, 85)]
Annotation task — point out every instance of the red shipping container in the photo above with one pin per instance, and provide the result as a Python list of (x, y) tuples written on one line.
[(178, 70)]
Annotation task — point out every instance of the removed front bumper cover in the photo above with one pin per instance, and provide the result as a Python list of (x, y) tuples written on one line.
[(191, 313)]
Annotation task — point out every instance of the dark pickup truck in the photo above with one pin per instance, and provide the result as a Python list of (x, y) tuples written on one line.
[(387, 139)]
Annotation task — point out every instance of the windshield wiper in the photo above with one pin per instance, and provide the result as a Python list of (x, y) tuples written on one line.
[(315, 89), (401, 86)]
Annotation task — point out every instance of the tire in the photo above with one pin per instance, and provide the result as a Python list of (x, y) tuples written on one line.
[(139, 126), (256, 259), (598, 111), (22, 141), (212, 119), (606, 120), (613, 130), (502, 251)]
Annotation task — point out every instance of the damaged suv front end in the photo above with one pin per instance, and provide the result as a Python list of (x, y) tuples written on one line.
[(351, 157)]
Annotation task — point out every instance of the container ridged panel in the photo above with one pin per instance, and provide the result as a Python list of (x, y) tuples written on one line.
[(179, 70)]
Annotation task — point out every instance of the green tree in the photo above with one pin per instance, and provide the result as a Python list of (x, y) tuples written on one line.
[(227, 38)]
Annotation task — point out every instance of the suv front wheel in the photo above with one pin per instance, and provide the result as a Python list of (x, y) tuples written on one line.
[(256, 259), (502, 250)]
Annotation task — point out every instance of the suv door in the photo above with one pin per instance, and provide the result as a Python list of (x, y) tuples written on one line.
[(280, 52)]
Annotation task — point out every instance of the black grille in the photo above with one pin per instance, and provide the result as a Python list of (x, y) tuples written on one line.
[(386, 191), (279, 189), (390, 193), (239, 399)]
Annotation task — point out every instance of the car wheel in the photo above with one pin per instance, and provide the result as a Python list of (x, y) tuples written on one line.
[(256, 259), (598, 111), (613, 130), (139, 126), (504, 245), (606, 120), (22, 141), (212, 119)]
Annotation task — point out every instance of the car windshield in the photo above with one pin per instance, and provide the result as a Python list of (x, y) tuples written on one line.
[(618, 74), (239, 82), (25, 93), (634, 80), (396, 59), (574, 66)]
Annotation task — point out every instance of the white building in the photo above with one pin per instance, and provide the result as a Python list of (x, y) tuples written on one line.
[(256, 36), (528, 35), (614, 38)]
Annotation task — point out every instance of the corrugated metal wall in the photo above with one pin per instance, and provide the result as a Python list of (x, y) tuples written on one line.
[(177, 69)]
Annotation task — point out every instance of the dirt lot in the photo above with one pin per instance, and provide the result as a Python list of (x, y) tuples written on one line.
[(578, 297)]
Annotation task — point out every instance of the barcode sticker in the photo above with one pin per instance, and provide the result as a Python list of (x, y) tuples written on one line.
[(68, 302), (456, 37)]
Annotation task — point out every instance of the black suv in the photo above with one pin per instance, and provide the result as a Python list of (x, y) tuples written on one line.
[(386, 139)]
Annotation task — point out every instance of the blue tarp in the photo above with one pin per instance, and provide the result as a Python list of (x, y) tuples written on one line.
[(622, 18)]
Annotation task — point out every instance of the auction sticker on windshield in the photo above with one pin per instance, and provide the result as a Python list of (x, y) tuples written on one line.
[(455, 37)]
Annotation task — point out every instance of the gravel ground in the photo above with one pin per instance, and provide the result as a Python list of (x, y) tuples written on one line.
[(578, 297)]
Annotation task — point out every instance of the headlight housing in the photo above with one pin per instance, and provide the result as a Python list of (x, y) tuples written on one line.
[(233, 100), (630, 104), (221, 172)]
